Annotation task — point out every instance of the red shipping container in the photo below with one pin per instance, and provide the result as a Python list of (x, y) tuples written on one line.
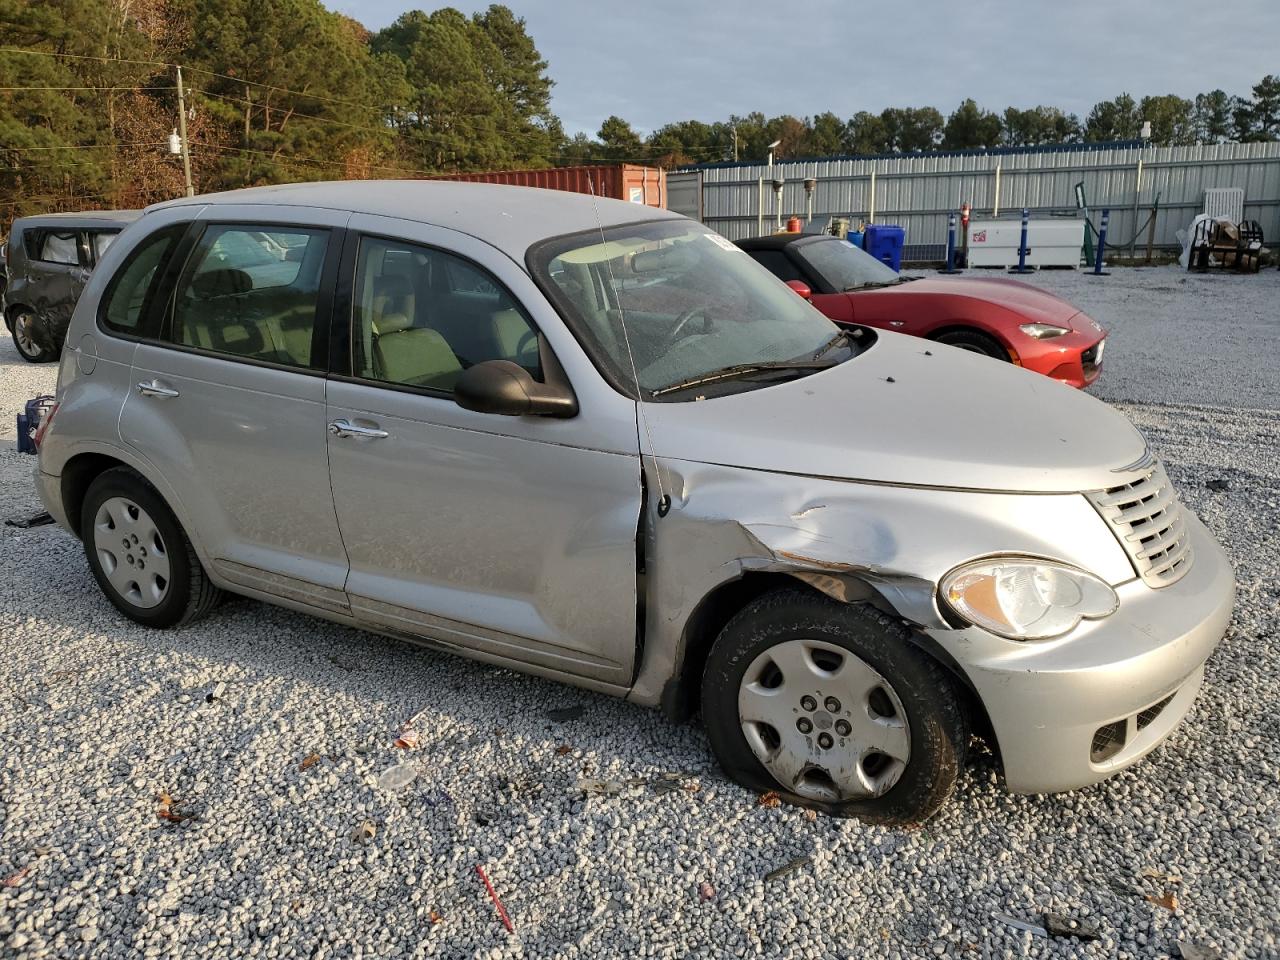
[(624, 181)]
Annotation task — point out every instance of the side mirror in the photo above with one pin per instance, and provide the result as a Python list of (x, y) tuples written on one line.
[(505, 388), (801, 288)]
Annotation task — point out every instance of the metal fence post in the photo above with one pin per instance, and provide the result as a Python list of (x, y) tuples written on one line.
[(1102, 244), (1022, 245), (951, 244)]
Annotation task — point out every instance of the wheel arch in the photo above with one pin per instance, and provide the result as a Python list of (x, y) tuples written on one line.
[(682, 693), (82, 468), (972, 326)]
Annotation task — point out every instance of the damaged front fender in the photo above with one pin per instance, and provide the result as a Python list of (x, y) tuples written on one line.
[(853, 541)]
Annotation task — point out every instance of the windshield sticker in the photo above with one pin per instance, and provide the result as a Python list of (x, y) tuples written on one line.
[(721, 242)]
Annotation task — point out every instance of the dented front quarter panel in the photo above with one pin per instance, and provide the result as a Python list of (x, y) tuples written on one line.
[(838, 536)]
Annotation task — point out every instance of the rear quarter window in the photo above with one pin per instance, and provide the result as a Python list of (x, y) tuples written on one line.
[(125, 303)]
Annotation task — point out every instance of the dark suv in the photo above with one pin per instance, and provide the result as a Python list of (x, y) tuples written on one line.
[(47, 261)]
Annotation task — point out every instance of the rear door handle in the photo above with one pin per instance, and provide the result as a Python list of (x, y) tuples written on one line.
[(345, 428), (153, 388)]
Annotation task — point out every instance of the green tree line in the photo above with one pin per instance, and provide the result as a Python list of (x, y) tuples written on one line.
[(285, 90)]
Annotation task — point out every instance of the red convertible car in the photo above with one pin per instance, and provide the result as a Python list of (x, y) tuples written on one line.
[(999, 317)]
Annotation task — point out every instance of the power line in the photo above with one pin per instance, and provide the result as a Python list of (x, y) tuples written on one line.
[(211, 73), (85, 146), (136, 89)]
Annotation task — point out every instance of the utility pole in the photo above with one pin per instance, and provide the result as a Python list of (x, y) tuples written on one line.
[(182, 133), (734, 128)]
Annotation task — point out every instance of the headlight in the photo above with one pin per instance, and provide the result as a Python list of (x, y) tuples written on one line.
[(1026, 599), (1043, 331)]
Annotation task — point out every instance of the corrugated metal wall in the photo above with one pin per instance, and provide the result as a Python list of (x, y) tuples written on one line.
[(919, 191)]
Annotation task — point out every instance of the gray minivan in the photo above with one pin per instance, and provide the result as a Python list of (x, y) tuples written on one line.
[(597, 442), (48, 259)]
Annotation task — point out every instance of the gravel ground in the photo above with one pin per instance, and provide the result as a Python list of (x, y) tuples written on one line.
[(280, 767)]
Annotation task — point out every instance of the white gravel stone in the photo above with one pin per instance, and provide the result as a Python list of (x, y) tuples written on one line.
[(99, 716)]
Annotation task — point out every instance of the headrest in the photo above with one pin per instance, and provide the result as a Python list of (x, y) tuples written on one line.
[(391, 323), (226, 282)]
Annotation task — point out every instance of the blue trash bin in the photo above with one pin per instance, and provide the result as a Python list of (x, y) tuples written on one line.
[(884, 242), (855, 237)]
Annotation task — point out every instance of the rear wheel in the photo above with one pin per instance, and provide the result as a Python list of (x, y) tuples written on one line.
[(834, 707), (975, 342), (22, 327), (139, 554)]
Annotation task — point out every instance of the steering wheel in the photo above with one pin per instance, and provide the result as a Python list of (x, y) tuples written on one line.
[(525, 339), (682, 321)]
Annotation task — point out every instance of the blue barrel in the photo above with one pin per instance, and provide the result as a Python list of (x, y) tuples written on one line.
[(884, 242), (855, 238)]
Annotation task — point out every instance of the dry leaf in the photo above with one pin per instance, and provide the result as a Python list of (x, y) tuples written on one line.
[(434, 917), (408, 739), (310, 761), (563, 749), (1169, 901), (770, 799), (811, 814), (16, 878), (168, 811)]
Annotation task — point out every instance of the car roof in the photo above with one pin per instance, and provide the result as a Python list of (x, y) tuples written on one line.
[(507, 217), (86, 218), (777, 241)]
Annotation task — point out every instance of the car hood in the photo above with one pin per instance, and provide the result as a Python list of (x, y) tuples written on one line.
[(1034, 304), (909, 412)]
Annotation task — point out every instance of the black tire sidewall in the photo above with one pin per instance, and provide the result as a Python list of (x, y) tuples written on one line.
[(42, 354), (990, 346), (122, 482), (933, 710)]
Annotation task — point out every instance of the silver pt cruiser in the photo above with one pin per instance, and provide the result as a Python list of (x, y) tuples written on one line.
[(597, 442)]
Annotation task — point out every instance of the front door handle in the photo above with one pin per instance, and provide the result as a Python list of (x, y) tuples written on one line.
[(345, 428), (153, 388)]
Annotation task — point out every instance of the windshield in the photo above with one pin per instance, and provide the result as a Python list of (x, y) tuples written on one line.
[(693, 303), (843, 265)]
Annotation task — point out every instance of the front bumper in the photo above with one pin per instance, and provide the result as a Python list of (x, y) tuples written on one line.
[(1074, 358), (1059, 708)]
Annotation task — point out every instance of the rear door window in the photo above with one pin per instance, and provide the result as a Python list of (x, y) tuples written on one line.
[(254, 293), (60, 247)]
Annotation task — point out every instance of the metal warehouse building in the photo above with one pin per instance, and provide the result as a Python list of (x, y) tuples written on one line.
[(917, 191)]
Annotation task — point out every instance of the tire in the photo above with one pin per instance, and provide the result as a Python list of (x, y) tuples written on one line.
[(157, 580), (911, 708), (24, 339), (975, 342)]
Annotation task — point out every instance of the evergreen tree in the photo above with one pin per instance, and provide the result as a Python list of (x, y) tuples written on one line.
[(970, 127)]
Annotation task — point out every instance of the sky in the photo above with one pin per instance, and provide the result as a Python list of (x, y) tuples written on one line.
[(658, 61)]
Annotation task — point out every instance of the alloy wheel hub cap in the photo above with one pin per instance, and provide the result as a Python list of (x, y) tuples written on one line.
[(824, 723), (131, 552)]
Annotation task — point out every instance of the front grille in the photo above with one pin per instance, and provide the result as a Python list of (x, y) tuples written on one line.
[(1091, 359), (1107, 741), (1148, 716), (1147, 519)]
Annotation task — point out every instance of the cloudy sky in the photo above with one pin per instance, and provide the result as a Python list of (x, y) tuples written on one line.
[(656, 61)]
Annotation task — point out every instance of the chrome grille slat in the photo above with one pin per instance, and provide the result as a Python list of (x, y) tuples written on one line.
[(1147, 519), (1164, 498), (1148, 545)]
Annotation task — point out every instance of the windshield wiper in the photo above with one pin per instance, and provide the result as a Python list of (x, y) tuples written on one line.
[(880, 283), (738, 370), (842, 336)]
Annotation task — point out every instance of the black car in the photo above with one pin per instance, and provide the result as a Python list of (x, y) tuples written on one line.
[(47, 260)]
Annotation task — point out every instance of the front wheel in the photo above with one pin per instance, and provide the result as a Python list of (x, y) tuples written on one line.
[(834, 707), (23, 330), (139, 554), (975, 342)]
